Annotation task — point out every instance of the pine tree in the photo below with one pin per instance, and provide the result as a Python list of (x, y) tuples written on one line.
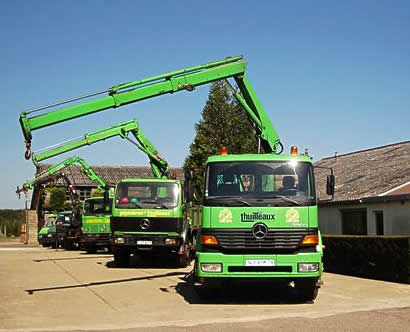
[(223, 123)]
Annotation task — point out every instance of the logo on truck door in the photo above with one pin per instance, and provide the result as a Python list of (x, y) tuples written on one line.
[(225, 216), (258, 215)]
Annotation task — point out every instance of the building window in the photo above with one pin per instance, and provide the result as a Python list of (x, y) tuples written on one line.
[(379, 222), (354, 222)]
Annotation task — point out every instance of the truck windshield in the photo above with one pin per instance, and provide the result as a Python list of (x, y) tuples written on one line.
[(269, 183), (94, 207), (146, 195)]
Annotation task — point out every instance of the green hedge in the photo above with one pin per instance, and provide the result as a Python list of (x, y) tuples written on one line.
[(374, 257), (12, 221)]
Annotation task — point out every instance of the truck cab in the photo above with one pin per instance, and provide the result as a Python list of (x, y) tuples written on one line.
[(96, 230), (45, 237), (259, 220), (68, 230), (149, 218)]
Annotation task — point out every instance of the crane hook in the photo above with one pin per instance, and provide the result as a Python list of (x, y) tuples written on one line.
[(27, 154)]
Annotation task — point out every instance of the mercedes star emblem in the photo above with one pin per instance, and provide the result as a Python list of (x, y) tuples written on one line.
[(145, 224), (259, 231)]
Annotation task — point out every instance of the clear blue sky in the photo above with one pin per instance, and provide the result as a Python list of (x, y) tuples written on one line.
[(333, 75)]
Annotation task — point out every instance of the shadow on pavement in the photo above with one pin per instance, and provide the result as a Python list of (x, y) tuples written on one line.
[(147, 262), (107, 282), (66, 258), (260, 292)]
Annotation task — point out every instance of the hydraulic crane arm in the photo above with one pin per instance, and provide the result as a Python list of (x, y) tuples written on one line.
[(55, 172), (123, 94), (266, 133), (159, 166), (185, 79)]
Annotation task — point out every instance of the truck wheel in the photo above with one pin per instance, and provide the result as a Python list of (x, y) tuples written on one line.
[(68, 245), (307, 290), (203, 293), (184, 259), (91, 250), (121, 259)]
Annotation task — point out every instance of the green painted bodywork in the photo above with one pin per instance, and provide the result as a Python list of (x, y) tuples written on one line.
[(152, 214), (48, 174), (123, 94), (185, 79), (44, 230), (213, 218), (188, 79), (95, 224), (159, 166)]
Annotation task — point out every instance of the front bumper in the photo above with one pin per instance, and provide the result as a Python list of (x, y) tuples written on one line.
[(234, 266), (147, 242), (46, 239), (96, 239)]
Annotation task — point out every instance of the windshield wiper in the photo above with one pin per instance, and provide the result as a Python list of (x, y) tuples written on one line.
[(285, 198)]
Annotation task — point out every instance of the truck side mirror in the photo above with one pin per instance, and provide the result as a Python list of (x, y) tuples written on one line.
[(188, 190), (330, 185)]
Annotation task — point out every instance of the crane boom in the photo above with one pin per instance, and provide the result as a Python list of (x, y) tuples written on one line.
[(55, 171), (159, 166), (185, 79)]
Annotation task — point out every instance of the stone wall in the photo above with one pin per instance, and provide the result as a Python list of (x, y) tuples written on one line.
[(29, 228)]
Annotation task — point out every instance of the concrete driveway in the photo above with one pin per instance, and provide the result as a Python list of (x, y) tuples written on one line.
[(44, 289)]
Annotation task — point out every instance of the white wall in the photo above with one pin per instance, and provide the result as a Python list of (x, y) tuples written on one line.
[(396, 217)]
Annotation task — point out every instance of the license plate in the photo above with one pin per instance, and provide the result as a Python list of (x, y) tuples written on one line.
[(144, 243), (259, 262)]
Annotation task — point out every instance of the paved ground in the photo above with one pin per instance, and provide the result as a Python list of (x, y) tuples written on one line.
[(44, 289)]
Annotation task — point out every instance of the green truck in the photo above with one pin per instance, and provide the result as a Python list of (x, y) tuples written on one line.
[(259, 212), (96, 230), (147, 198), (149, 217), (92, 232), (45, 236)]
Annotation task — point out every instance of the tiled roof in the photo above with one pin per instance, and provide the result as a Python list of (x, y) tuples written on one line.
[(366, 173), (111, 174)]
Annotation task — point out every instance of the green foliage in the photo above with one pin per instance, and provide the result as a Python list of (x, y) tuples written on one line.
[(11, 221), (223, 123), (97, 193), (57, 199)]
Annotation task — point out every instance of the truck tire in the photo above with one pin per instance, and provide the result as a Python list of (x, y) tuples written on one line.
[(68, 245), (121, 259), (307, 289), (184, 259), (204, 293), (91, 250)]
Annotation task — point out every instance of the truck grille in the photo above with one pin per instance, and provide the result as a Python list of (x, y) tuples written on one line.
[(135, 224), (276, 239)]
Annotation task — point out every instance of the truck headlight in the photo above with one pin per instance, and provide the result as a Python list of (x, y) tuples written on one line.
[(49, 235), (171, 242), (40, 236), (119, 240), (308, 267), (211, 267)]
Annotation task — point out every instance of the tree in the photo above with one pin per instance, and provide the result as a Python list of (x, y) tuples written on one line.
[(223, 123), (57, 198)]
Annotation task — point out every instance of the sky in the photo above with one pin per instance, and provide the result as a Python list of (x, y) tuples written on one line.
[(333, 76)]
